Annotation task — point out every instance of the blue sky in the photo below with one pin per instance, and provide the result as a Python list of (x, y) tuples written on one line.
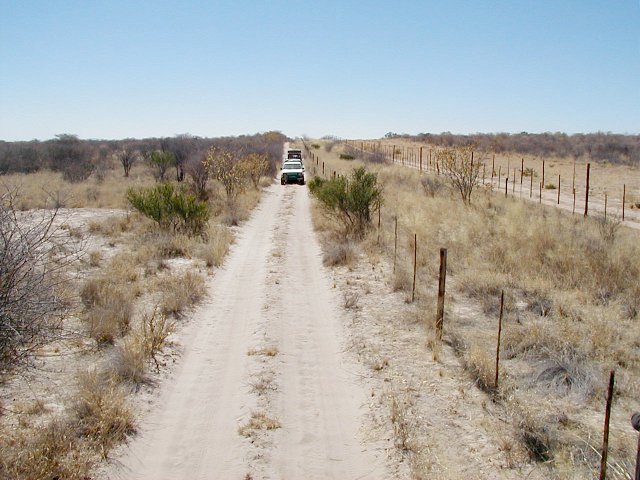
[(116, 69)]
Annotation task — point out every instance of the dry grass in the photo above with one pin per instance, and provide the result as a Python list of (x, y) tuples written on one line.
[(258, 421), (108, 309), (180, 292), (570, 314)]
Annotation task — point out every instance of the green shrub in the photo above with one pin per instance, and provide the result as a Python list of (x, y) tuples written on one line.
[(346, 156), (170, 208), (351, 199)]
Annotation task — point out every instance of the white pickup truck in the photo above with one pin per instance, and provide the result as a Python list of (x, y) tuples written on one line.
[(292, 171)]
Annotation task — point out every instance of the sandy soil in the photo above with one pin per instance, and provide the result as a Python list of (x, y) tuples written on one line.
[(263, 388)]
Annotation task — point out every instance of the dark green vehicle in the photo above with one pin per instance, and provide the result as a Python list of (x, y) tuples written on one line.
[(292, 172)]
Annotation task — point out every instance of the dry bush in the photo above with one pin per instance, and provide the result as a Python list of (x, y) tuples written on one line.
[(180, 292), (100, 413), (109, 308), (339, 253)]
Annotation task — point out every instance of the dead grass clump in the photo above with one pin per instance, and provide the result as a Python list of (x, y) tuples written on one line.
[(402, 279), (400, 416), (52, 451), (214, 250), (95, 257), (339, 253), (109, 308), (351, 300), (128, 362), (180, 292), (537, 436), (100, 413), (258, 421), (270, 351), (113, 226), (482, 368)]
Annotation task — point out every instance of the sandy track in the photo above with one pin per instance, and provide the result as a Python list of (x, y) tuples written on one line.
[(272, 295)]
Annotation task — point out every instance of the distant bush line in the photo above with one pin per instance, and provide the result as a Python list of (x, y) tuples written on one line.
[(77, 159), (609, 147)]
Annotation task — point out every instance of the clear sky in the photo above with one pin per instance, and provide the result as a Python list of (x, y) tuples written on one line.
[(125, 68)]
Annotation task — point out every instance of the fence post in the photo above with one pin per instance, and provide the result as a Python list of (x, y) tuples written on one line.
[(521, 170), (635, 421), (415, 266), (499, 333), (513, 184), (540, 198), (393, 154), (624, 194), (607, 415), (441, 290), (543, 171), (558, 189), (605, 206), (395, 243), (506, 187), (586, 195), (323, 169), (574, 201), (420, 159)]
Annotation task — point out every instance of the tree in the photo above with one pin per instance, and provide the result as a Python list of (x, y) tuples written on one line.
[(459, 166), (199, 169), (127, 157), (160, 162), (70, 156), (256, 166), (226, 168)]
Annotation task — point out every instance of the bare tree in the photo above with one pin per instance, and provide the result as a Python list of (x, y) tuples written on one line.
[(127, 157), (198, 167), (34, 255), (459, 166)]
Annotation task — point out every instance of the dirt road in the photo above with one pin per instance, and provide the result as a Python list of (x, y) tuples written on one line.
[(263, 389)]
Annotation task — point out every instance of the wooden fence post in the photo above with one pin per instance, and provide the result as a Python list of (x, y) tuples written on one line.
[(607, 415), (420, 159), (395, 243), (605, 206), (540, 198), (499, 333), (521, 171), (558, 189), (506, 187), (415, 266), (624, 194), (543, 172), (586, 195), (441, 291)]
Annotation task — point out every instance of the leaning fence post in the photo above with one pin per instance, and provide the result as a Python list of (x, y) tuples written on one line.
[(499, 333), (635, 421), (607, 415), (441, 290), (415, 266)]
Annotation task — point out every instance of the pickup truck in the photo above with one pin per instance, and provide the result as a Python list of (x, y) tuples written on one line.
[(292, 171)]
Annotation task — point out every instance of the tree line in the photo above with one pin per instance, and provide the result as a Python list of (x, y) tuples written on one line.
[(77, 159), (600, 146)]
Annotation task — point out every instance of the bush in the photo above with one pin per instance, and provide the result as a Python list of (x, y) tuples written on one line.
[(170, 208), (352, 200), (34, 254)]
